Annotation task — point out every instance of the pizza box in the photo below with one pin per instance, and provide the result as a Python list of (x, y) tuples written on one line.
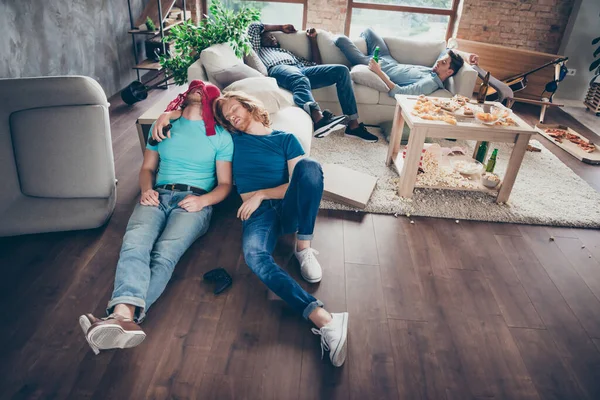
[(571, 148), (347, 186)]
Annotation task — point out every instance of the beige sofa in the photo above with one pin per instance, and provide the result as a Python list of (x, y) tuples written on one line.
[(56, 155), (374, 106)]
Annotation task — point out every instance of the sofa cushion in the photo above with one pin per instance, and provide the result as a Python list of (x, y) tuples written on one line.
[(217, 58), (264, 89), (297, 43), (363, 75), (330, 53), (63, 152), (362, 93), (238, 72), (415, 52), (297, 121), (253, 61)]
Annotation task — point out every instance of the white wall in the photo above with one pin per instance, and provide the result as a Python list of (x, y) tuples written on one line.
[(584, 26)]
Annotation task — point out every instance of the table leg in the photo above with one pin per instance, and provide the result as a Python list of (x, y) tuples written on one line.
[(395, 136), (514, 164), (141, 136), (408, 175)]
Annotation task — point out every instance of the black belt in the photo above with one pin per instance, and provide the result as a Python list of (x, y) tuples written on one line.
[(182, 188)]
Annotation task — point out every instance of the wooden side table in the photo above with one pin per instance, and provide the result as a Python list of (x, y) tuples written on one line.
[(466, 128)]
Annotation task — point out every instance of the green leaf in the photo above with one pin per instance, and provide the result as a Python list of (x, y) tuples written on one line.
[(595, 64), (596, 40)]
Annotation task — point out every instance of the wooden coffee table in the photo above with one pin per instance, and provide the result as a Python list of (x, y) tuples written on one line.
[(466, 128)]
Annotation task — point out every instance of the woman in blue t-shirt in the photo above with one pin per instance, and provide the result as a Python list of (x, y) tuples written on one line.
[(275, 204)]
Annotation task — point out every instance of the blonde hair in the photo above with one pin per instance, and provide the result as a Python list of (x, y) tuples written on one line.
[(254, 106)]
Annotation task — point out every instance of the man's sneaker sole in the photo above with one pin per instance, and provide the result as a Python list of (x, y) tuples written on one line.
[(85, 324), (113, 336), (327, 129), (338, 355), (364, 140), (314, 280)]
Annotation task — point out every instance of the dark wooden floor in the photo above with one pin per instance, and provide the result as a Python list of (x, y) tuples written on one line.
[(438, 310)]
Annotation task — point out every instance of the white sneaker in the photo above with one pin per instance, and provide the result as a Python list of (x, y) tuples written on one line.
[(309, 266), (334, 337)]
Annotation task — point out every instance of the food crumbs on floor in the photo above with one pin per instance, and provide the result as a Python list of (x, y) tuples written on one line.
[(583, 247), (457, 221), (412, 222), (552, 238)]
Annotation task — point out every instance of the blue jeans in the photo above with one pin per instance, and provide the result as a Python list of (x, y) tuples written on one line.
[(300, 81), (296, 212), (355, 56), (155, 240)]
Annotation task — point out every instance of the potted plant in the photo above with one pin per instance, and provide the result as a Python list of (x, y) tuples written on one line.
[(223, 26), (592, 100)]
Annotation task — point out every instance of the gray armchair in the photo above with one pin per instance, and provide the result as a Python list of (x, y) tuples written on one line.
[(55, 154)]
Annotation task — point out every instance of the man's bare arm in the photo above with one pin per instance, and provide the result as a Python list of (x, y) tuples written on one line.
[(287, 28), (314, 46)]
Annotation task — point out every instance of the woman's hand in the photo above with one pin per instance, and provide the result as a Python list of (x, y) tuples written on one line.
[(193, 203), (157, 129), (375, 67), (249, 206), (150, 198)]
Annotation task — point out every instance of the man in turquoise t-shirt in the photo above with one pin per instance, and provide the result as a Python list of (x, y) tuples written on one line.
[(181, 178)]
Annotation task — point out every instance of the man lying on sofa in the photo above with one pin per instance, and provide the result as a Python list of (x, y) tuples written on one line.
[(299, 75), (403, 78)]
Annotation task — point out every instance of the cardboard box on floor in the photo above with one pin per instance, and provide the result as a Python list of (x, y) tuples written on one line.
[(347, 186)]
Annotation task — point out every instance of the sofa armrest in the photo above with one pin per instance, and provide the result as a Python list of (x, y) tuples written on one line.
[(463, 82), (196, 71)]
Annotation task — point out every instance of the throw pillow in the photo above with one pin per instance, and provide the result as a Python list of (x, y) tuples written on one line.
[(253, 61), (386, 129), (264, 89), (238, 72), (363, 75)]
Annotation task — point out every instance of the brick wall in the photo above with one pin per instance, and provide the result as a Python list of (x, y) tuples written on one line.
[(329, 15), (527, 24)]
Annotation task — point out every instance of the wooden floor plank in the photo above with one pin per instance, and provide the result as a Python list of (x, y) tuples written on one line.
[(582, 261), (359, 239), (399, 277), (418, 371), (514, 303), (453, 242), (552, 378), (573, 288), (425, 248), (572, 342), (370, 357), (319, 379)]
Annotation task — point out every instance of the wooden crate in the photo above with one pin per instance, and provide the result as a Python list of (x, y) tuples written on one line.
[(592, 100)]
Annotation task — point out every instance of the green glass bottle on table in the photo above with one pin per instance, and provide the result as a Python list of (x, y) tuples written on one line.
[(481, 152), (376, 54), (491, 164)]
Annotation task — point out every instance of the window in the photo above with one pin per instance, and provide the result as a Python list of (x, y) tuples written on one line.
[(416, 19), (274, 12)]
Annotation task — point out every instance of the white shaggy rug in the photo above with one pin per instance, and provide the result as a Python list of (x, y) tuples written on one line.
[(546, 191)]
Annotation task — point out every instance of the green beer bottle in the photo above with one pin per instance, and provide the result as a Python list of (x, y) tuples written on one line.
[(492, 162), (481, 152), (376, 54)]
